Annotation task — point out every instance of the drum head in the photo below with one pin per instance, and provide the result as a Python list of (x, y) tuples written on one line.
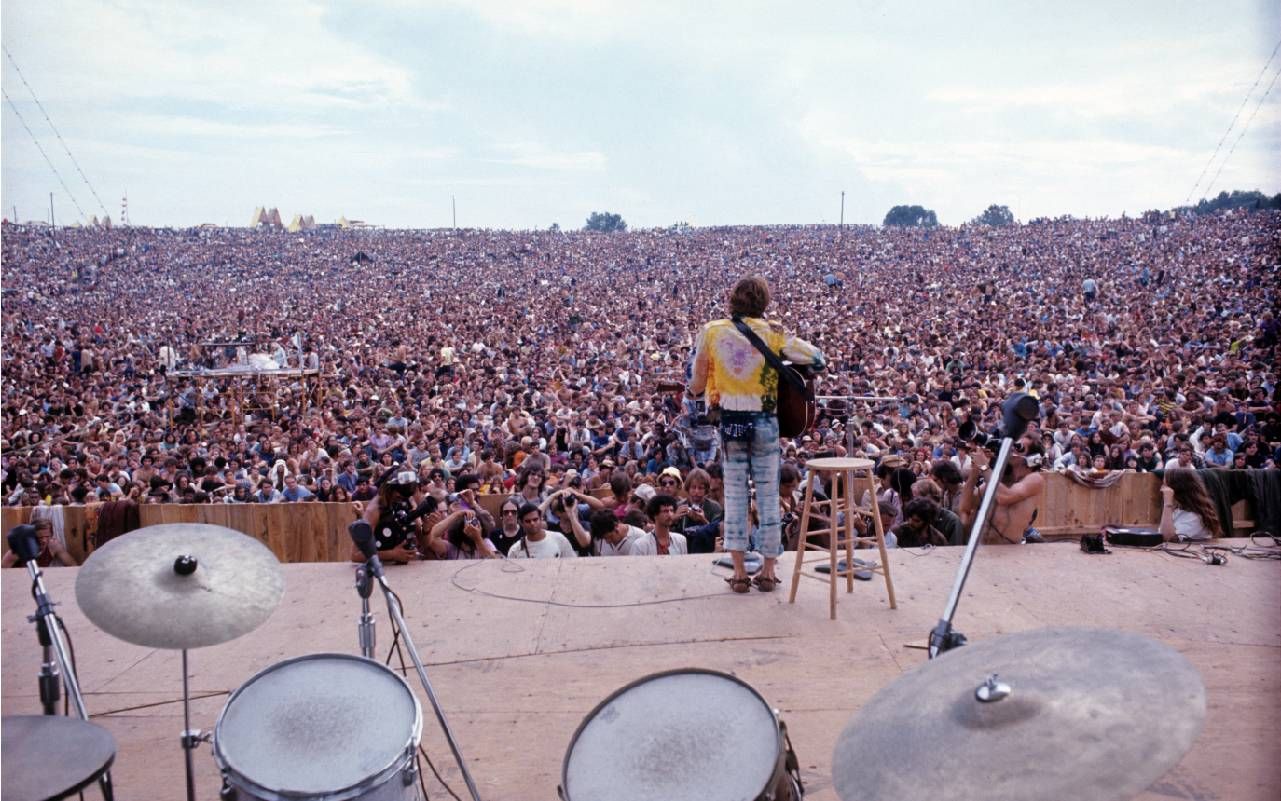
[(679, 736), (318, 724)]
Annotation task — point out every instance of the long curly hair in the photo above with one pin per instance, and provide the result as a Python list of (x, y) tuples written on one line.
[(1190, 494)]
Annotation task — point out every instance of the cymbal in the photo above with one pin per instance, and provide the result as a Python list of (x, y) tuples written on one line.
[(1092, 715), (48, 756), (131, 587)]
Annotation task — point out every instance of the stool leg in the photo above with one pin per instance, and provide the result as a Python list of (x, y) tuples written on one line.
[(880, 544), (834, 540), (851, 505), (802, 536)]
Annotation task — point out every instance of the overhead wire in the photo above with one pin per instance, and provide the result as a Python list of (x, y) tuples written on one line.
[(54, 128), (1232, 124), (40, 147), (1210, 187)]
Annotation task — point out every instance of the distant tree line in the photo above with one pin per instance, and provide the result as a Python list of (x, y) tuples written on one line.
[(1236, 199), (605, 222)]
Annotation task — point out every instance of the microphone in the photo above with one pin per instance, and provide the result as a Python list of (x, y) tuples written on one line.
[(1017, 411), (363, 535), (23, 542)]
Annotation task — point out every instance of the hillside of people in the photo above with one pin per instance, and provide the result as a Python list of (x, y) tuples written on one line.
[(1147, 342)]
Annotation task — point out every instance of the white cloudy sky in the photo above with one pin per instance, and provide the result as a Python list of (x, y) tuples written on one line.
[(539, 111)]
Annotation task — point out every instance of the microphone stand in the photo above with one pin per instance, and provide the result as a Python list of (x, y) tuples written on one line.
[(943, 638), (365, 627), (849, 423), (398, 623), (50, 637)]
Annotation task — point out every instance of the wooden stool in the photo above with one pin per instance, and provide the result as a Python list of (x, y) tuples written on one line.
[(849, 476)]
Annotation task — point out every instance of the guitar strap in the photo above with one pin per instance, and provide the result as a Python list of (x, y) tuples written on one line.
[(771, 358)]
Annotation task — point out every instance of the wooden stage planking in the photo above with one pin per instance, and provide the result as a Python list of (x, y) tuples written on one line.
[(516, 677)]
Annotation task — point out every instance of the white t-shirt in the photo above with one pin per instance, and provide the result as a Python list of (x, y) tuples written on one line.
[(647, 546), (553, 546), (624, 547), (1189, 526)]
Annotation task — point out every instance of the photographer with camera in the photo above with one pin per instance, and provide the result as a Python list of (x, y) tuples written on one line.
[(459, 535), (1016, 495), (392, 513), (564, 510)]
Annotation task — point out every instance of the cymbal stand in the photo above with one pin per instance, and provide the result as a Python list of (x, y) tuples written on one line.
[(398, 621), (191, 738), (55, 661), (943, 637)]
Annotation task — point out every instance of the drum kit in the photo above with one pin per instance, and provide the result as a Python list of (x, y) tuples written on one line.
[(325, 726), (1071, 714)]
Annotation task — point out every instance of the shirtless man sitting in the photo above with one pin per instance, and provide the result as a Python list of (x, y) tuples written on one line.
[(51, 552), (1016, 496)]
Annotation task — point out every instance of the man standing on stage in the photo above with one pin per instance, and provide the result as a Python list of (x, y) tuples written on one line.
[(743, 388)]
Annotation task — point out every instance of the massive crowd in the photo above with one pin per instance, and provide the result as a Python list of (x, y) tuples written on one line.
[(1148, 342)]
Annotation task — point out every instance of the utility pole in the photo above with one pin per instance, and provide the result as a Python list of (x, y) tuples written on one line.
[(842, 211), (453, 205), (51, 225)]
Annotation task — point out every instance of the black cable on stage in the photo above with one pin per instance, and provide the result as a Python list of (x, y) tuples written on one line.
[(54, 128)]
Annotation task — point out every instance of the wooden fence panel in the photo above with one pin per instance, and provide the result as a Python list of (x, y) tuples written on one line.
[(1066, 507), (317, 532)]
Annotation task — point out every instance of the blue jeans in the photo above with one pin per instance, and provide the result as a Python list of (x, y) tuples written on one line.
[(756, 457)]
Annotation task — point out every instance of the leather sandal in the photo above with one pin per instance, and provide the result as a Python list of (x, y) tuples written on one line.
[(765, 583), (739, 584)]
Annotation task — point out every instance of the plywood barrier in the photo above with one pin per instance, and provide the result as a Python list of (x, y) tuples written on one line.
[(1067, 508), (317, 532)]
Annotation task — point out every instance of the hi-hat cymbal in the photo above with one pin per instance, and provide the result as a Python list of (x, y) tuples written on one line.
[(133, 587), (1092, 715), (49, 756)]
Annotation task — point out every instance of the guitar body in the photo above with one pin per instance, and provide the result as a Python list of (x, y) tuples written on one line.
[(797, 408)]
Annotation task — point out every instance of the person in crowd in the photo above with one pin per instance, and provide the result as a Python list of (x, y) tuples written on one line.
[(536, 541), (661, 540), (611, 536), (1187, 514), (50, 550), (392, 516), (459, 535), (508, 529), (1017, 492)]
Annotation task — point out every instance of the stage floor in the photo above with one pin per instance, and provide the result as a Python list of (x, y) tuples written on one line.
[(520, 651)]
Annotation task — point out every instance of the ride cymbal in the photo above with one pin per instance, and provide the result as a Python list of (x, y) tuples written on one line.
[(180, 585), (1090, 715)]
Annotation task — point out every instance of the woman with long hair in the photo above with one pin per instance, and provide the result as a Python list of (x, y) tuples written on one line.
[(1187, 513)]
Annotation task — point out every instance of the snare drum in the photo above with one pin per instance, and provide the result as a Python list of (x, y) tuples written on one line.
[(326, 727), (682, 735)]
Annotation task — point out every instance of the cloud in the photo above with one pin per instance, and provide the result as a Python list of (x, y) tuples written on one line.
[(278, 55), (1119, 96), (539, 157), (216, 129)]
